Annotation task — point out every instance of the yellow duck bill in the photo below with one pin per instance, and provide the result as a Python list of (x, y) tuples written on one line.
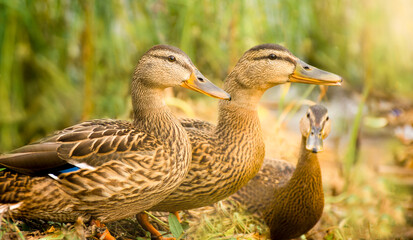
[(305, 73), (199, 83)]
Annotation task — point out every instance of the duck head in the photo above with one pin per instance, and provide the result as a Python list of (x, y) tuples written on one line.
[(165, 66), (267, 65), (315, 126)]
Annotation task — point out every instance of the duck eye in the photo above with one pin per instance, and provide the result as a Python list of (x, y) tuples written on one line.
[(327, 118), (171, 58), (272, 56), (308, 115)]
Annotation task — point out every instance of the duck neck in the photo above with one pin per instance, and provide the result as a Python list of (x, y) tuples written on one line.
[(298, 205), (243, 97), (307, 175), (308, 161), (239, 126), (151, 115)]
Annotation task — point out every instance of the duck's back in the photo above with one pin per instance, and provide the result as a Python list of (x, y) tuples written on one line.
[(258, 194), (224, 158), (121, 162), (201, 125)]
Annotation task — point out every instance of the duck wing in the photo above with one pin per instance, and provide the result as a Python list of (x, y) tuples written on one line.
[(258, 194), (85, 145)]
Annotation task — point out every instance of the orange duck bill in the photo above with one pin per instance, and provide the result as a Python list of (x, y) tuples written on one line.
[(305, 73), (199, 83)]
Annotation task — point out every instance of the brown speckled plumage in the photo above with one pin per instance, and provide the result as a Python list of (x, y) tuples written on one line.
[(290, 199), (258, 194), (226, 156), (216, 169), (125, 167)]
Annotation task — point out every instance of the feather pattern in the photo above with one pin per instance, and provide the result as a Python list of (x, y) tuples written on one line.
[(258, 194), (123, 163), (289, 198), (226, 156), (99, 168)]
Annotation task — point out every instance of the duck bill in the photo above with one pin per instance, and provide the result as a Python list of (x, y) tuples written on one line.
[(305, 73), (315, 141), (199, 83)]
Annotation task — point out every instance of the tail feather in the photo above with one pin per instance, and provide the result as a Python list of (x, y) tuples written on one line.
[(4, 208), (33, 159)]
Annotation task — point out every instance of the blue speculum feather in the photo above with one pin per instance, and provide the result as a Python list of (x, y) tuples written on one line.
[(72, 169), (63, 169), (67, 168)]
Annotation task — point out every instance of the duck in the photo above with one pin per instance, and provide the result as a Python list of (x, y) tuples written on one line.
[(290, 199), (99, 168), (227, 155)]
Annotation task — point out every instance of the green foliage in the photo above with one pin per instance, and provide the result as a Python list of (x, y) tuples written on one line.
[(224, 220), (351, 154), (58, 236), (66, 61), (175, 226), (9, 229)]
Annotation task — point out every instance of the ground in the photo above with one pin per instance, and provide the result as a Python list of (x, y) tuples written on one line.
[(371, 201)]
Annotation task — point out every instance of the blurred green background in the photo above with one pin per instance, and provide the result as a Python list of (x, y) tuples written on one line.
[(66, 61)]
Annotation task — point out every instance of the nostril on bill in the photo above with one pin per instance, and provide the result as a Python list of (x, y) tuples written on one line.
[(200, 79)]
